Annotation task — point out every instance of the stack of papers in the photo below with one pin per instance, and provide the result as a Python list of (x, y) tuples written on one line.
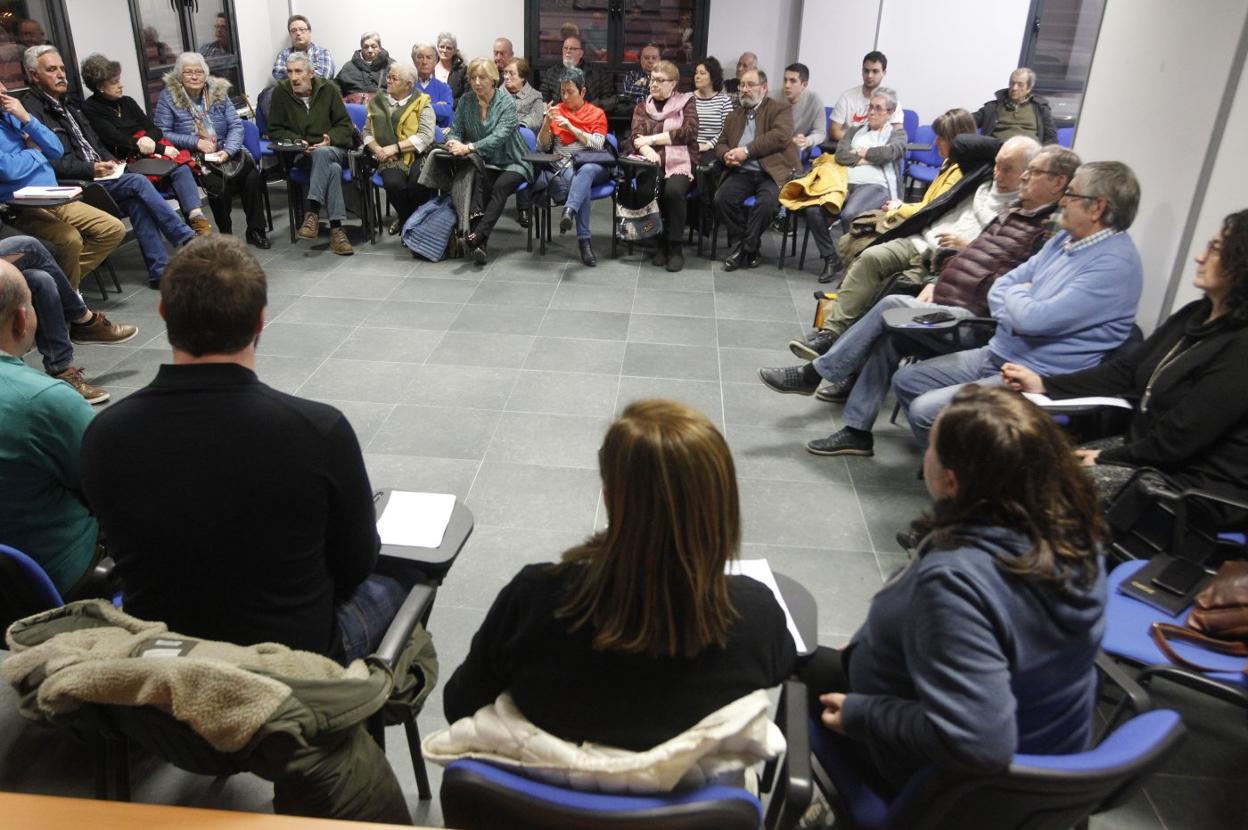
[(48, 192), (415, 520)]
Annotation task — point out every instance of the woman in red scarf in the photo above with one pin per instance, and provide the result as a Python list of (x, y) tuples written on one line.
[(665, 131), (572, 126)]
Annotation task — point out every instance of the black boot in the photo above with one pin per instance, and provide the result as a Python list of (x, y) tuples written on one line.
[(660, 253), (831, 271), (523, 217), (566, 221), (675, 257), (587, 253)]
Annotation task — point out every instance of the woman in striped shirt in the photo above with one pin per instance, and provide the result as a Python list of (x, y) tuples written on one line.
[(712, 102)]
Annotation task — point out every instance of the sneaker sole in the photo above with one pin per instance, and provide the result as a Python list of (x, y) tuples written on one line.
[(841, 451), (840, 397), (782, 390), (90, 342), (97, 401), (800, 349)]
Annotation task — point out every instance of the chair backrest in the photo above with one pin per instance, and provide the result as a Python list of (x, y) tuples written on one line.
[(931, 157), (263, 101), (1066, 136), (1036, 792), (25, 587), (479, 795), (251, 138), (910, 120), (359, 115), (529, 138)]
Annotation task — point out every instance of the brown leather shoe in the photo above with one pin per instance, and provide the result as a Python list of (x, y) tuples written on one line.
[(75, 378), (100, 330), (200, 225), (311, 227), (338, 242)]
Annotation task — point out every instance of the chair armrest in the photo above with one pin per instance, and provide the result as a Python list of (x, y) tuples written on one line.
[(796, 786), (411, 612), (966, 325), (1138, 699)]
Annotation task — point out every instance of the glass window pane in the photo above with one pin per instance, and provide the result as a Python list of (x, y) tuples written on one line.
[(160, 32), (559, 18), (24, 24), (669, 23), (1060, 51)]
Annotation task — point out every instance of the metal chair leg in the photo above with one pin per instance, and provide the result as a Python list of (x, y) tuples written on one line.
[(418, 759)]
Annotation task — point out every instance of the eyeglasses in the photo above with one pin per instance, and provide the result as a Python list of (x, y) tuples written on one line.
[(748, 85), (1033, 171), (573, 49), (1070, 194), (296, 30), (445, 47), (655, 79), (193, 73), (874, 108)]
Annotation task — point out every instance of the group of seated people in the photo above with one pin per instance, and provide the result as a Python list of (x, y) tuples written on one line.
[(981, 647)]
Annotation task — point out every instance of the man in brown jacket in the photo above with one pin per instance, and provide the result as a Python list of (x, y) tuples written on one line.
[(757, 149), (867, 351)]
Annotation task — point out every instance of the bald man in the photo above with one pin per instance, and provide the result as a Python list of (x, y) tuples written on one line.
[(504, 53), (745, 63), (42, 509)]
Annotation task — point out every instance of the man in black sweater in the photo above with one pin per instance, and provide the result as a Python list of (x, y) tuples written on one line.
[(234, 511)]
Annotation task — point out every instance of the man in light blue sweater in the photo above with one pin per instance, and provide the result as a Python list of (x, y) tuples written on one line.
[(1061, 311)]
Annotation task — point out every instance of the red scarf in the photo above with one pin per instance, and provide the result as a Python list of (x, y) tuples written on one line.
[(588, 119)]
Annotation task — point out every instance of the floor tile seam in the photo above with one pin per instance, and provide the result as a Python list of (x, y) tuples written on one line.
[(325, 360), (1148, 797)]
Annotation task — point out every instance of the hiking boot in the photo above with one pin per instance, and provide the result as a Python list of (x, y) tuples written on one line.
[(311, 227), (338, 242), (845, 441), (814, 344), (837, 392), (75, 378), (99, 330), (200, 225), (789, 380)]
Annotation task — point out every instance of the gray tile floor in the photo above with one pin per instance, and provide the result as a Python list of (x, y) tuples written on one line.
[(497, 383)]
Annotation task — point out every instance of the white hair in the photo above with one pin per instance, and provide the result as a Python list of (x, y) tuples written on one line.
[(447, 37), (300, 58), (1026, 146), (370, 36), (30, 59), (424, 44), (190, 59), (405, 71)]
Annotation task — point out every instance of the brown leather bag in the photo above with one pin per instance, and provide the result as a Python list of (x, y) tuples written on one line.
[(1219, 622)]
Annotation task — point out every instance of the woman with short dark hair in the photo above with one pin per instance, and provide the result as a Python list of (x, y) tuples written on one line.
[(982, 646), (638, 633), (127, 132), (712, 102)]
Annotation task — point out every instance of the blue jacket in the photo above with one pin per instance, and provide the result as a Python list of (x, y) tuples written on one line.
[(173, 115), (442, 97), (1059, 313), (21, 165), (961, 664)]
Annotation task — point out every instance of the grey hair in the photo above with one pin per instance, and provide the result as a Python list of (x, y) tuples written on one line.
[(1114, 182), (445, 37), (889, 95), (31, 58), (1024, 70), (194, 59), (1062, 160), (424, 44), (405, 71), (297, 57), (370, 36), (98, 70), (1024, 145)]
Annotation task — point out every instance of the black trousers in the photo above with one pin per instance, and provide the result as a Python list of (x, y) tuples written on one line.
[(404, 193), (673, 206), (733, 190), (248, 184), (502, 184)]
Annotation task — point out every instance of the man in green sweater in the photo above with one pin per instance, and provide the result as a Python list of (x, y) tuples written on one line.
[(42, 510), (308, 108)]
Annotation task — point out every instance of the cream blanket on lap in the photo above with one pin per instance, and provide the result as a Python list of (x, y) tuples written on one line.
[(716, 750)]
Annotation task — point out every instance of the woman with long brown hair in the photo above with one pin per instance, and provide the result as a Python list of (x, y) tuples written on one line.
[(637, 634), (983, 645)]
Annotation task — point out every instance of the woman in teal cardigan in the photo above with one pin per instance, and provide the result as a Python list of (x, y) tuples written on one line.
[(485, 126)]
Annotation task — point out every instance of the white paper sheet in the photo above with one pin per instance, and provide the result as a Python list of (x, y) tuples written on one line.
[(118, 169), (415, 520), (759, 570), (47, 192), (1045, 401)]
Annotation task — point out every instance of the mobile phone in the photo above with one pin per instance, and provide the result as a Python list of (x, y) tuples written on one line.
[(934, 317), (1179, 577)]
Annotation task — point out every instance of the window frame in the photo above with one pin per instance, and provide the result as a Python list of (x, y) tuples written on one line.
[(184, 10)]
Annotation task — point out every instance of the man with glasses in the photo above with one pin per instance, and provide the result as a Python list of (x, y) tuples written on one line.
[(300, 31), (1061, 311), (637, 81), (756, 148), (597, 85), (867, 351)]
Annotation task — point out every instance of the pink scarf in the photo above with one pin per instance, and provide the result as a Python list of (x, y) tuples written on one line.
[(676, 160)]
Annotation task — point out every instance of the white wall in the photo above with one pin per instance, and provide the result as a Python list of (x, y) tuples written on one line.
[(940, 55), (337, 25), (1158, 76), (766, 29), (104, 26), (261, 27)]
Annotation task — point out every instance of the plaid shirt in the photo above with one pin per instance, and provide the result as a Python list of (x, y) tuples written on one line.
[(1088, 241), (322, 62)]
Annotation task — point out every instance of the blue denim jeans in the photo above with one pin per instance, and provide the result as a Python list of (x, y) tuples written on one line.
[(151, 218), (926, 387), (365, 615), (571, 188), (867, 348), (325, 181), (182, 182), (56, 302)]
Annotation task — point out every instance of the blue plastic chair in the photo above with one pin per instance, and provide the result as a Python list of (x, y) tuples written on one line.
[(300, 177), (477, 795), (1127, 638), (924, 165), (258, 148), (910, 121), (376, 185), (542, 208), (789, 233), (25, 587), (1066, 136), (1037, 792)]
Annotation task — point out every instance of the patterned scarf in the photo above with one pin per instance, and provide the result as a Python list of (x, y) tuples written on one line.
[(81, 140), (676, 161)]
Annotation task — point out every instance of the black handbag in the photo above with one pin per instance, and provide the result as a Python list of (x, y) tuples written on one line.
[(215, 175), (605, 157)]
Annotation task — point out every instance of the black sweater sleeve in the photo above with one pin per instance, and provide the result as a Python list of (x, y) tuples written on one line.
[(351, 541)]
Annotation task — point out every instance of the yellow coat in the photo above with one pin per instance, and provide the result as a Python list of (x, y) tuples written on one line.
[(949, 175), (826, 184)]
